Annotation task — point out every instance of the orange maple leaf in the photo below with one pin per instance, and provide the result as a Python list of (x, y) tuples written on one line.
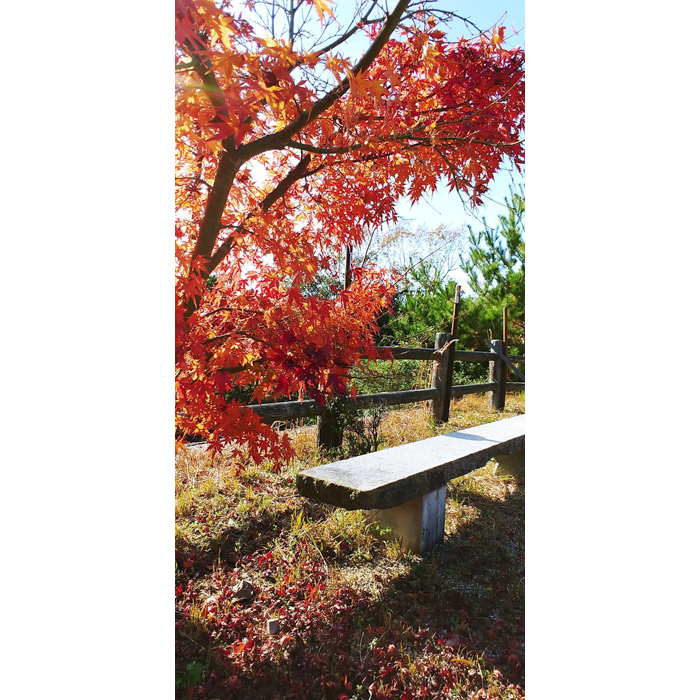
[(322, 8)]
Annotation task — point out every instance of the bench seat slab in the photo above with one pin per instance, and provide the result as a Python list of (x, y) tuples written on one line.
[(388, 478)]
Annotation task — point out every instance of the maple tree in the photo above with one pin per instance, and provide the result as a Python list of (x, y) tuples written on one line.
[(287, 151)]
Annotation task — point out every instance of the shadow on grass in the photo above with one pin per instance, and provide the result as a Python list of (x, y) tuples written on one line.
[(242, 538), (453, 622)]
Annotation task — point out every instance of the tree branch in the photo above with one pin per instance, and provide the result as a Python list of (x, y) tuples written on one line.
[(182, 67), (324, 151), (206, 74), (296, 173), (233, 158), (216, 203), (280, 138), (350, 32)]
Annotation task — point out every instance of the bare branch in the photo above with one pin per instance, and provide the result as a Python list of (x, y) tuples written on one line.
[(344, 37), (280, 138)]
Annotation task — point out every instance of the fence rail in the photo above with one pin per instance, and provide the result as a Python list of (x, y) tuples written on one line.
[(440, 393), (431, 354), (282, 410), (464, 389)]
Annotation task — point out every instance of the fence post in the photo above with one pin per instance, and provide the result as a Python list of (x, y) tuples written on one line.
[(447, 396), (505, 341), (440, 379), (329, 435), (451, 354), (497, 374)]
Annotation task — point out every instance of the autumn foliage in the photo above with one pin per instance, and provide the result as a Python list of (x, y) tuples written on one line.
[(287, 150)]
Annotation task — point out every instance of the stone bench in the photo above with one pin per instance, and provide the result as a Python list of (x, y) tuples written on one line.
[(407, 484)]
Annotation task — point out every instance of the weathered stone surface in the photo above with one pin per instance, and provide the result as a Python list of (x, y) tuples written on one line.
[(389, 478), (418, 524)]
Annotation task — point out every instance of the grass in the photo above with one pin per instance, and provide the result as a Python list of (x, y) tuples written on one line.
[(358, 617)]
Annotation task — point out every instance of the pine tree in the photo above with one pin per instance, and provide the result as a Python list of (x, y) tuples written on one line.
[(495, 269)]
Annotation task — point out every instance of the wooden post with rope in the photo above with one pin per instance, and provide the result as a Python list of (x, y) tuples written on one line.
[(441, 405), (452, 340), (497, 397), (455, 311), (505, 341)]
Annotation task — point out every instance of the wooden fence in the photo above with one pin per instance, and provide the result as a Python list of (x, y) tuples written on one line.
[(441, 391)]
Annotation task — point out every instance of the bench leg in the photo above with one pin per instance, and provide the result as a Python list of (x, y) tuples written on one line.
[(418, 524), (512, 465)]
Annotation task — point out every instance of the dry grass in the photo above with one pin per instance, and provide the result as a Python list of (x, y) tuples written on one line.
[(196, 471), (459, 609), (409, 425)]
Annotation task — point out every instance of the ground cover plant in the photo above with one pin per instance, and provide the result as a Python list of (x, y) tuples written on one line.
[(358, 618)]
